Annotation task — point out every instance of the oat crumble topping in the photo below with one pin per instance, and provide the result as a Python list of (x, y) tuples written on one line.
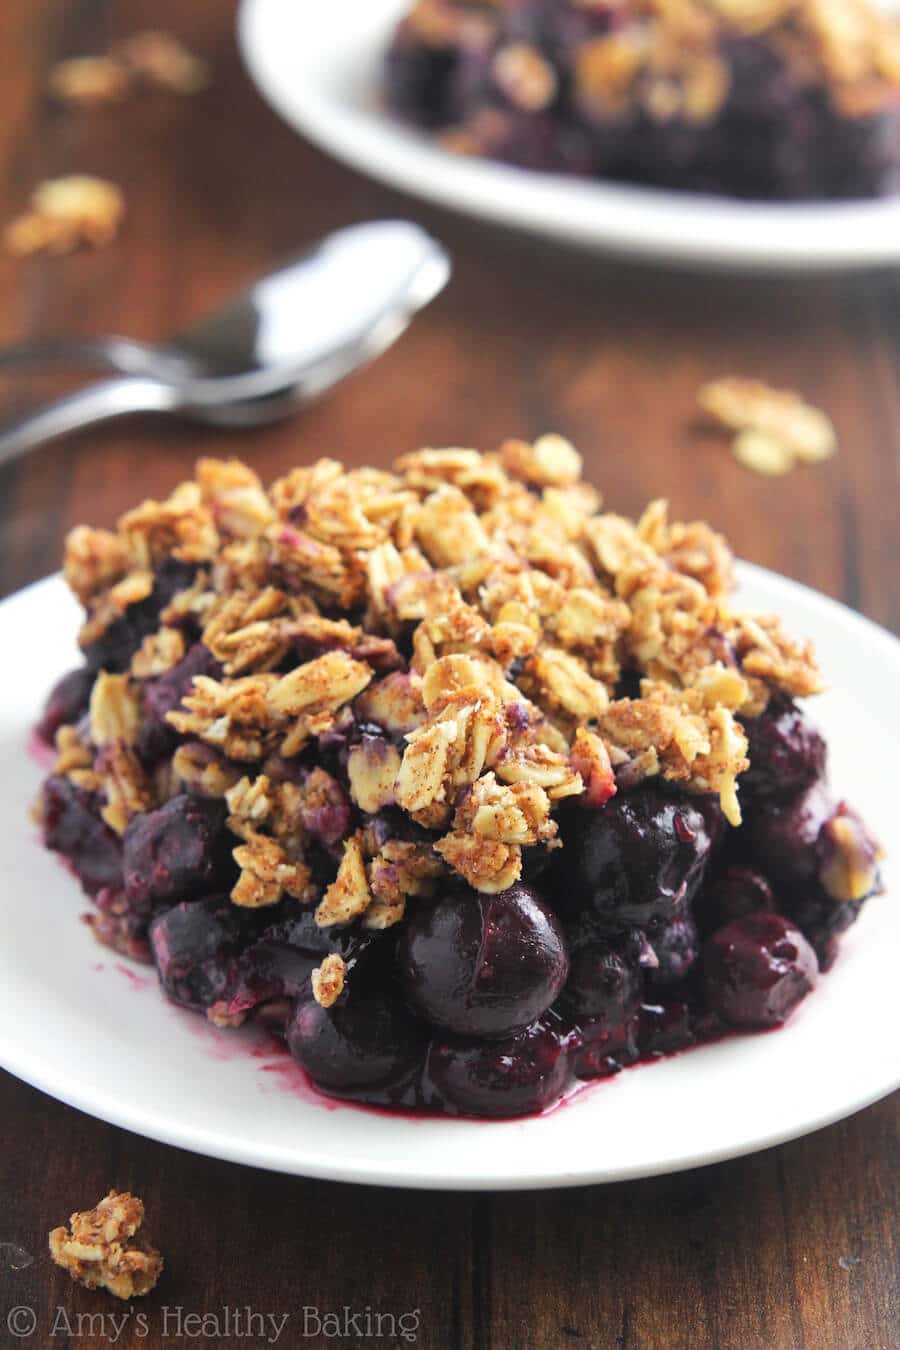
[(152, 58), (161, 59), (89, 80), (758, 99), (65, 213), (460, 626), (328, 980), (773, 428), (103, 1248), (666, 57)]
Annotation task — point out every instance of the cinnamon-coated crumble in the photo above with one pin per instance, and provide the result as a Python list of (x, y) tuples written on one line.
[(104, 1247)]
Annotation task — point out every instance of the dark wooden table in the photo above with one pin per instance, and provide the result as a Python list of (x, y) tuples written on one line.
[(794, 1247)]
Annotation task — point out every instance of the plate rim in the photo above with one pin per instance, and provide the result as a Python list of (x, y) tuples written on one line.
[(709, 232), (93, 1098)]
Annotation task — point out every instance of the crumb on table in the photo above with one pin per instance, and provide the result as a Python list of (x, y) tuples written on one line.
[(103, 1247)]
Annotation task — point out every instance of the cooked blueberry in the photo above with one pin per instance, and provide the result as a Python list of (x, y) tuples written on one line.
[(279, 962), (418, 80), (757, 969), (364, 1042), (194, 946), (782, 837), (516, 1076), (628, 684), (325, 808), (536, 862), (67, 702), (606, 976), (736, 892), (178, 851), (640, 857), (847, 875), (676, 947), (821, 920), (73, 827), (164, 694), (483, 965), (268, 970), (171, 576), (665, 1027), (786, 752), (113, 650), (602, 1050)]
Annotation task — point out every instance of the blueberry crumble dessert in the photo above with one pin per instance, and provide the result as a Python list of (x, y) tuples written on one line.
[(766, 99), (468, 789)]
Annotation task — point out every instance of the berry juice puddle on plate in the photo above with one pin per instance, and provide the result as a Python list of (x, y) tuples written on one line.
[(468, 789), (784, 99)]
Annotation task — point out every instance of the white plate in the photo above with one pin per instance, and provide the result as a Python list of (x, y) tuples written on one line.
[(319, 65), (95, 1031)]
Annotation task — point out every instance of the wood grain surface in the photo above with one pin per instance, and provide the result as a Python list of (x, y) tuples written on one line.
[(795, 1247)]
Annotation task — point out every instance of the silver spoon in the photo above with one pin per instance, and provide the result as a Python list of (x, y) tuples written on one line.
[(292, 335)]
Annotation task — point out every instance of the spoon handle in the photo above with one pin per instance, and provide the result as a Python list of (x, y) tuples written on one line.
[(116, 353), (97, 403)]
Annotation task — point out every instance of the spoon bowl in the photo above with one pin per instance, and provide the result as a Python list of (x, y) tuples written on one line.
[(292, 335)]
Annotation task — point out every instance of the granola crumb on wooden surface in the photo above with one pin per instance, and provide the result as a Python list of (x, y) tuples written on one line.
[(105, 1247)]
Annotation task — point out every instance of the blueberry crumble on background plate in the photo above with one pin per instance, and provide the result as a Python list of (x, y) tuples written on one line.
[(469, 791), (750, 134), (763, 99)]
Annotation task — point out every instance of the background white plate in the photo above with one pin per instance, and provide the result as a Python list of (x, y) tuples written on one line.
[(319, 65), (95, 1031)]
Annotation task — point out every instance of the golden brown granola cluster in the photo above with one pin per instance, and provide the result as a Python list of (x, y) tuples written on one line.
[(80, 209), (103, 1247), (774, 429), (151, 57), (849, 46), (473, 613), (64, 213)]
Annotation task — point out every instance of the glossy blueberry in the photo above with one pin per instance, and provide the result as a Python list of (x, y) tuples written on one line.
[(362, 1042), (782, 837), (757, 969), (178, 851), (483, 965), (67, 702), (847, 875), (821, 920), (676, 946), (600, 1050), (73, 827), (606, 976), (279, 962), (665, 1027), (194, 946), (640, 857), (735, 892), (787, 753), (516, 1076)]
